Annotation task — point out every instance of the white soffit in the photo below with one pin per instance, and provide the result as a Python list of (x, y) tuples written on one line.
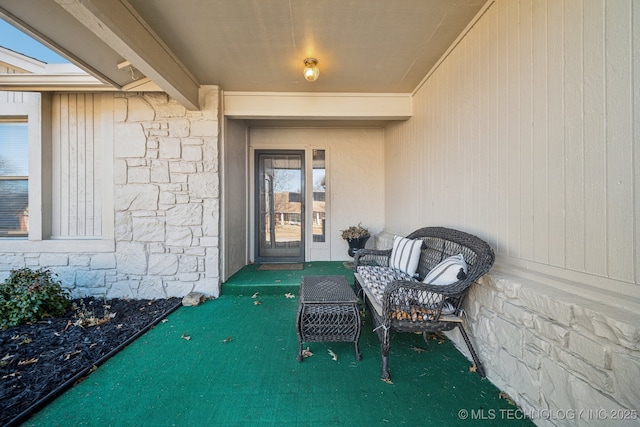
[(318, 106)]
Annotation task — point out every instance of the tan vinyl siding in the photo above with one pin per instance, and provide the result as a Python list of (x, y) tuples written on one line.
[(76, 159), (524, 136)]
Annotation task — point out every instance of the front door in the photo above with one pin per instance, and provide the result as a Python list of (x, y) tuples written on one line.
[(279, 206)]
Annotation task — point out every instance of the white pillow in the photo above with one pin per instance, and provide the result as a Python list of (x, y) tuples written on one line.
[(447, 272), (405, 255)]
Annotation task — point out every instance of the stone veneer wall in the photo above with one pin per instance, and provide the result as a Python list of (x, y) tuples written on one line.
[(166, 201), (564, 359), (167, 198)]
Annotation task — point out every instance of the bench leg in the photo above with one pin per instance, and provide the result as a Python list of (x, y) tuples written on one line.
[(479, 367), (384, 349)]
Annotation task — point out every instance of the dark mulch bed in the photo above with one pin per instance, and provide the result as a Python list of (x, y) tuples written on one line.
[(38, 360)]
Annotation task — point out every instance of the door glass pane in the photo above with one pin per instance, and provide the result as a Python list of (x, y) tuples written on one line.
[(280, 207), (319, 192)]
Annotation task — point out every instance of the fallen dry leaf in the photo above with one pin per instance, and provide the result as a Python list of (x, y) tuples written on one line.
[(256, 302), (437, 337), (333, 355), (185, 336), (226, 340), (70, 355), (306, 352), (255, 295), (289, 295), (505, 396), (387, 380), (165, 320), (473, 368), (28, 361), (418, 349), (12, 375)]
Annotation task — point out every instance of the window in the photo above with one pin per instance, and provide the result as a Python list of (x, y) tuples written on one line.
[(319, 203), (14, 177), (44, 139)]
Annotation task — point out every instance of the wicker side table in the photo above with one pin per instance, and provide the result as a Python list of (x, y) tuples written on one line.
[(327, 311)]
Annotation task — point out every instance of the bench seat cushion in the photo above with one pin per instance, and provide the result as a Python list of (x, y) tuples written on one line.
[(374, 280), (377, 278)]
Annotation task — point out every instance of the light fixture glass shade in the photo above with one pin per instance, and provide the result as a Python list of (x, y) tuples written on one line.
[(311, 70)]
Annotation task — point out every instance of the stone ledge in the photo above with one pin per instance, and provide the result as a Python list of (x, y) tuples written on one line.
[(617, 324)]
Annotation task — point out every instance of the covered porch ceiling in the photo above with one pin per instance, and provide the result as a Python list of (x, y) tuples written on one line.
[(363, 46)]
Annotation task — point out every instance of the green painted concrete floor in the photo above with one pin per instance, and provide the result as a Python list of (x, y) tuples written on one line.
[(232, 362)]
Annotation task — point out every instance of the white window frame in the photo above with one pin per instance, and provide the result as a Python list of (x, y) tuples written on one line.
[(37, 109), (13, 119)]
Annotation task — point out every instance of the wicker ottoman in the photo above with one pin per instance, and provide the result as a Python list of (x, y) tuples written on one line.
[(327, 311)]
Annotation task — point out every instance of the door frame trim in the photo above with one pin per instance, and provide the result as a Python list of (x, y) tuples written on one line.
[(302, 152)]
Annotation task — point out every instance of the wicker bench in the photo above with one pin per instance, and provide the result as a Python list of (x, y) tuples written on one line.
[(401, 302)]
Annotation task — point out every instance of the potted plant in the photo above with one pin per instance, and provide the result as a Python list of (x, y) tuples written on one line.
[(356, 236)]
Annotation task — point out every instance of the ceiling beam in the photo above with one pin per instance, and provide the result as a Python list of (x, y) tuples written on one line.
[(124, 30), (318, 106)]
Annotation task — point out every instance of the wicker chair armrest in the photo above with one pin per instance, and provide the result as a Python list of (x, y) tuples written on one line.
[(372, 257)]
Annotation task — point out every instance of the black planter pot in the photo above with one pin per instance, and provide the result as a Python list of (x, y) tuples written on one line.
[(355, 244)]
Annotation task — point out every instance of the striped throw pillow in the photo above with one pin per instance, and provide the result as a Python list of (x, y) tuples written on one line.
[(448, 271), (405, 255)]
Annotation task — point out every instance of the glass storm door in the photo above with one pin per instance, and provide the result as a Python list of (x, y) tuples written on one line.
[(279, 206)]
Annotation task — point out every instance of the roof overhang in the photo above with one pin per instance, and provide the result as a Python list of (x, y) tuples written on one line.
[(115, 31)]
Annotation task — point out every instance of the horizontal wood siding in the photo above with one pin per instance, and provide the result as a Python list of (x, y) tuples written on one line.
[(77, 198), (527, 135)]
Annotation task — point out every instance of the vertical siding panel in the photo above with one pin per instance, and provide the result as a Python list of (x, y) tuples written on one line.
[(540, 136), (526, 149), (464, 156), (90, 189), (488, 137), (595, 212), (82, 165), (574, 153), (619, 201), (443, 116), (450, 122), (475, 40), (436, 155), (460, 110), (76, 156), (56, 164), (64, 165), (513, 80), (434, 176), (501, 124), (555, 111), (73, 165)]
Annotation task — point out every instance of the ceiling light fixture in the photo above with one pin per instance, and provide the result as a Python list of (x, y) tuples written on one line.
[(311, 70)]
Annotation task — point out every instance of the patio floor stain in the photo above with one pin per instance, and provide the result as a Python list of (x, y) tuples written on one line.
[(238, 367)]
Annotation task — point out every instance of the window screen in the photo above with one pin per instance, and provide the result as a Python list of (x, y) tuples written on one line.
[(14, 177)]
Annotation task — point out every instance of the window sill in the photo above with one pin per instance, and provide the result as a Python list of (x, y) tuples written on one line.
[(12, 245)]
